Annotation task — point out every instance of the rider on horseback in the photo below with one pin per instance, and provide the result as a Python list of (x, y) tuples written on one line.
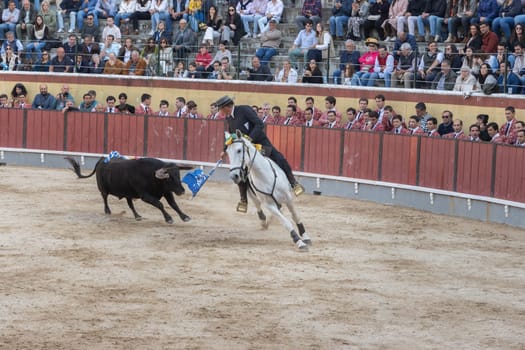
[(244, 119)]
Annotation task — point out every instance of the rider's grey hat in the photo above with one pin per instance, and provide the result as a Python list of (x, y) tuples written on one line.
[(224, 101)]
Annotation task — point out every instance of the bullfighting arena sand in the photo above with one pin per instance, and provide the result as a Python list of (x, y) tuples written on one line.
[(377, 277)]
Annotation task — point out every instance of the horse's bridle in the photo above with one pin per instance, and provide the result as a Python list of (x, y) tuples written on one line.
[(244, 169)]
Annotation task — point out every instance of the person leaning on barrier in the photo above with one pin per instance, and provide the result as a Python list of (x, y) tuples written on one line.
[(244, 119)]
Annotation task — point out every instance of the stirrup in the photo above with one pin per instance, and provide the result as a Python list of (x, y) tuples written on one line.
[(298, 189), (242, 207)]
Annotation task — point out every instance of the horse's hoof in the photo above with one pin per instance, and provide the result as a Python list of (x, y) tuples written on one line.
[(264, 225), (169, 221), (306, 239), (301, 246)]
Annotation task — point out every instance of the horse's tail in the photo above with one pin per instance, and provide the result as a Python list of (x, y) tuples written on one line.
[(76, 167)]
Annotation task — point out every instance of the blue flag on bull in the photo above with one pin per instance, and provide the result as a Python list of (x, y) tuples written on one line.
[(196, 179)]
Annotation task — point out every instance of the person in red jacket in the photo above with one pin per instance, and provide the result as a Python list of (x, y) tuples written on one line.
[(489, 39)]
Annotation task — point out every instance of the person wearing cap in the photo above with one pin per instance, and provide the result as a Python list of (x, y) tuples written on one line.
[(367, 62), (244, 119)]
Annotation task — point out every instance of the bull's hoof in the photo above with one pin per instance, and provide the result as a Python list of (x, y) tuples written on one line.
[(186, 219)]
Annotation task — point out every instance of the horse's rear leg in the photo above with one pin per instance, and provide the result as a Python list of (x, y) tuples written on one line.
[(299, 243), (302, 232)]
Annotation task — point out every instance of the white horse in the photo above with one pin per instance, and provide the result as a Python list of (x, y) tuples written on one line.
[(268, 185)]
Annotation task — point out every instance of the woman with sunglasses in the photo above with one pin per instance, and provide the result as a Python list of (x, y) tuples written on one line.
[(42, 65), (233, 28), (9, 61)]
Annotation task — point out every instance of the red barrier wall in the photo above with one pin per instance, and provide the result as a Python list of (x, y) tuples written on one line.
[(467, 167), (12, 128)]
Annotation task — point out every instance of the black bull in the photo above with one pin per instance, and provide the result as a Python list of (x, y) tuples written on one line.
[(149, 179)]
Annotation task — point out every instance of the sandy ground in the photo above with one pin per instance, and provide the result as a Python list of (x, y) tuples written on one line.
[(74, 278)]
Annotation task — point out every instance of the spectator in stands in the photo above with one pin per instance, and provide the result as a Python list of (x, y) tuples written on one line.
[(406, 65), (432, 130), (457, 133), (446, 126), (123, 105), (213, 26), (423, 115), (292, 100), (487, 11), (332, 123), (377, 14), (339, 20), (324, 47), (459, 12), (383, 67), (312, 74), (414, 9), (429, 65), (397, 126), (177, 11), (79, 65), (348, 56), (111, 29), (397, 10), (44, 100), (305, 40), (309, 119), (474, 133), (39, 40), (184, 41), (363, 109), (88, 48), (214, 112), (4, 103), (96, 66), (70, 107), (372, 123), (505, 22), (136, 65), (287, 74), (232, 29), (25, 20), (70, 8), (216, 70), (87, 104), (259, 72), (10, 17), (105, 9), (192, 110), (489, 40), (482, 121), (43, 64), (163, 109), (357, 17), (191, 72), (141, 13), (159, 13), (180, 107), (113, 65), (517, 37), (270, 42), (519, 64), (274, 10), (196, 14), (311, 12), (352, 123), (18, 89), (465, 81), (508, 129), (145, 105), (367, 61), (512, 83), (452, 54), (61, 63), (330, 105), (126, 9), (520, 138), (291, 118), (124, 53), (251, 13), (150, 49), (50, 19), (63, 96), (21, 102), (110, 104), (414, 125), (203, 60), (446, 78), (265, 114), (402, 38), (228, 71), (433, 15), (310, 103), (276, 117), (109, 46), (486, 82), (493, 131), (90, 28), (71, 47)]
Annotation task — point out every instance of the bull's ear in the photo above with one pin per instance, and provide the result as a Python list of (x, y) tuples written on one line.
[(162, 174)]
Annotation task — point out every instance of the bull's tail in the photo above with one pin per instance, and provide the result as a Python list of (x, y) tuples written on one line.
[(76, 167)]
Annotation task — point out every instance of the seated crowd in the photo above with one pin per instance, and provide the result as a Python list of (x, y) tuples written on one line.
[(382, 118), (484, 41)]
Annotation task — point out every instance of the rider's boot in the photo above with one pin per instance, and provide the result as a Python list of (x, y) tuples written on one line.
[(298, 189), (242, 206)]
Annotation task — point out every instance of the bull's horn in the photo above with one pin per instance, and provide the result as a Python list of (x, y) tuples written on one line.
[(162, 174)]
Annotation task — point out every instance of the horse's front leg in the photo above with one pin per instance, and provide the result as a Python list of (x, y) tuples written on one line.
[(302, 232), (255, 200)]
